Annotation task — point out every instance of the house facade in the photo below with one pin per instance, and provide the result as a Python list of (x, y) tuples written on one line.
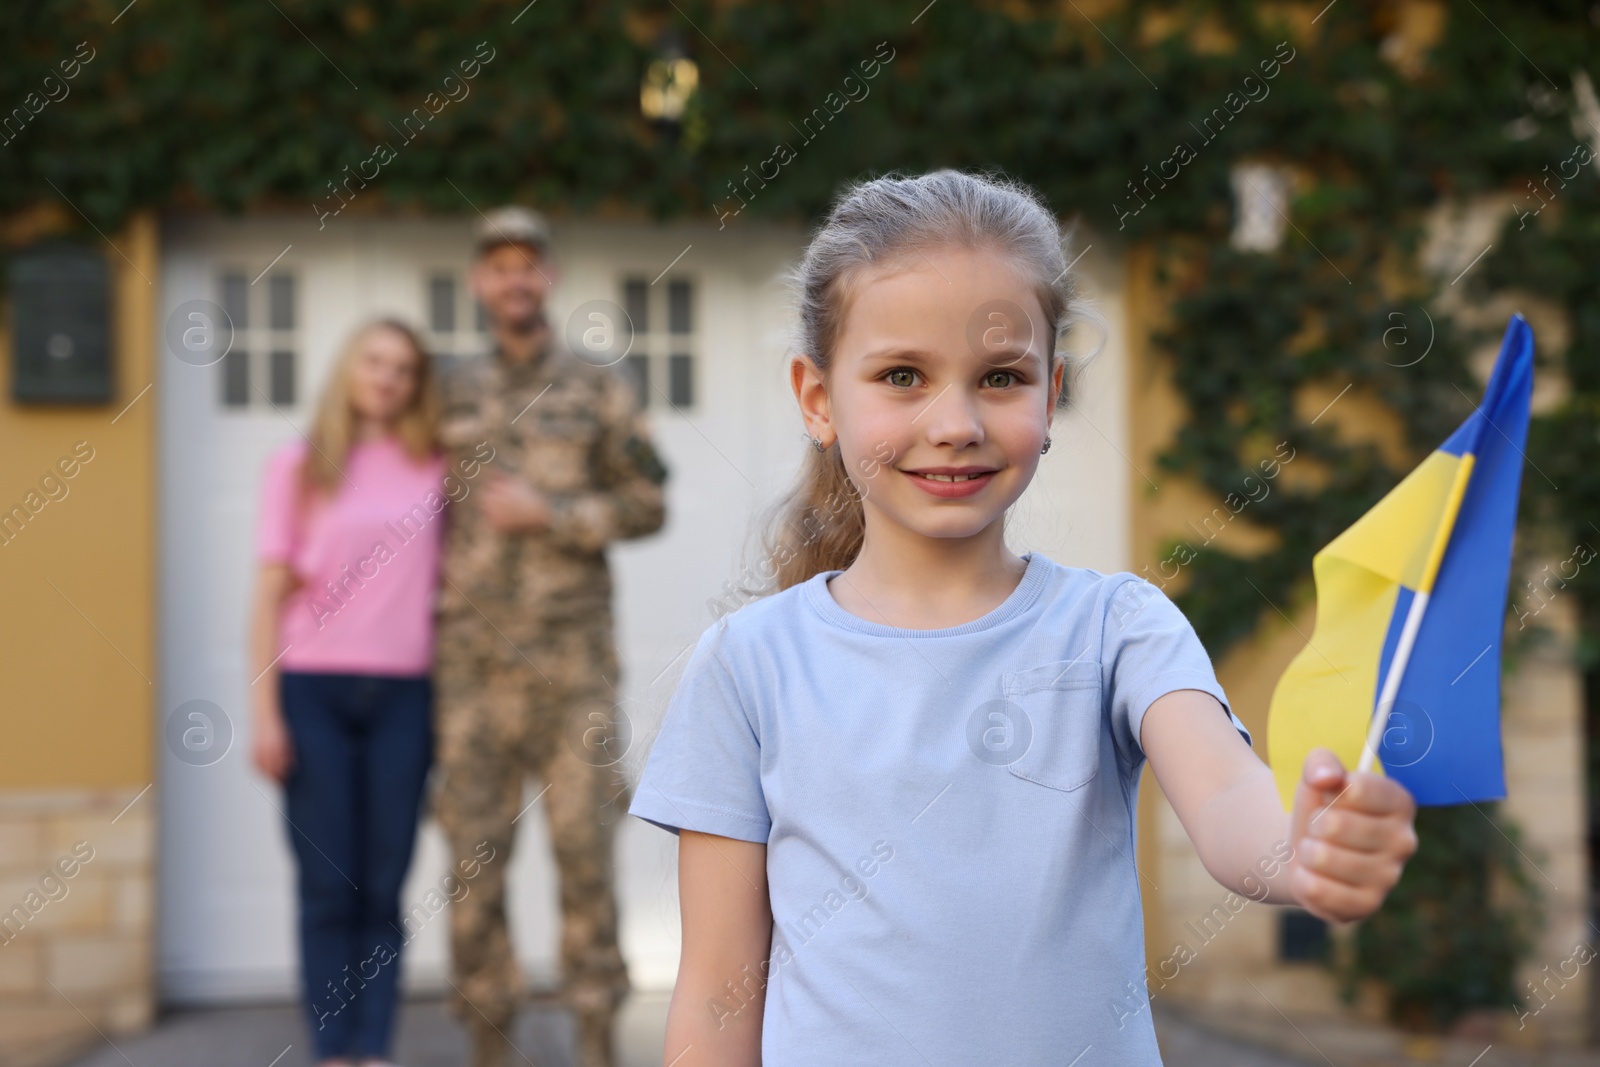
[(150, 862)]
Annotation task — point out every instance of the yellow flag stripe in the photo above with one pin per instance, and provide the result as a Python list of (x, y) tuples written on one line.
[(1325, 696), (1397, 537), (1448, 523)]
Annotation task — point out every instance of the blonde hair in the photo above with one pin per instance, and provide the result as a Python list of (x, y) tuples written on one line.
[(820, 524), (333, 428)]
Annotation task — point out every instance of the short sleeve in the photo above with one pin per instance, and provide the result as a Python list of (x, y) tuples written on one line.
[(275, 523), (704, 769), (1149, 649)]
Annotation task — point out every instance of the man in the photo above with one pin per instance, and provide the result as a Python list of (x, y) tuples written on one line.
[(526, 667)]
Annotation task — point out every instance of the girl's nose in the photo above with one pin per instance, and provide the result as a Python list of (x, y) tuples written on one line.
[(951, 418)]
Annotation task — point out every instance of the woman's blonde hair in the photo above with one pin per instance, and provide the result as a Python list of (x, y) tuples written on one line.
[(333, 429), (820, 524)]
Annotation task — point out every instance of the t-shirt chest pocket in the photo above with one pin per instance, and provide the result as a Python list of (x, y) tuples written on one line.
[(1063, 706)]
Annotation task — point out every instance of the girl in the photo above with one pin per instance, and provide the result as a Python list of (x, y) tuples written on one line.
[(348, 544), (905, 785)]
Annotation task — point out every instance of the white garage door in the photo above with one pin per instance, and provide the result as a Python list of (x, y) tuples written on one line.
[(725, 424)]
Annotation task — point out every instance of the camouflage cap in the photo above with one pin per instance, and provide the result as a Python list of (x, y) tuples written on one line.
[(513, 225)]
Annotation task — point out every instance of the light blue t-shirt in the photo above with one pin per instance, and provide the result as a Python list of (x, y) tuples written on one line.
[(948, 814)]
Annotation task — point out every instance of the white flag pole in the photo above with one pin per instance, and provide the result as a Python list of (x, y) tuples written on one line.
[(1391, 681), (1419, 604)]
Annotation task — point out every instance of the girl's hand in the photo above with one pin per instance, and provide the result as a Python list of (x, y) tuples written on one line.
[(271, 749), (1352, 833)]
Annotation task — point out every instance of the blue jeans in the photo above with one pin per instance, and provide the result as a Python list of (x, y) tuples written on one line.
[(362, 748)]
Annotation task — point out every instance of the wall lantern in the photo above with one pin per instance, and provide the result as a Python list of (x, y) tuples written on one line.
[(668, 83)]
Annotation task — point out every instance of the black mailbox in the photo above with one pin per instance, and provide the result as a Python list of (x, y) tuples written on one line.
[(60, 325)]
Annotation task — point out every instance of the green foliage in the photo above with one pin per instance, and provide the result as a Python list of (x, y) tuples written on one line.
[(209, 104), (1250, 331), (1436, 966)]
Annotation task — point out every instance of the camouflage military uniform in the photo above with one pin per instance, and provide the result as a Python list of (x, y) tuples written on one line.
[(526, 665)]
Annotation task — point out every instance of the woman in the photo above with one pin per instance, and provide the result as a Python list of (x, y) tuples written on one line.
[(348, 547)]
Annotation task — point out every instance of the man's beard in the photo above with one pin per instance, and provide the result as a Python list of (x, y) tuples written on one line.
[(527, 325)]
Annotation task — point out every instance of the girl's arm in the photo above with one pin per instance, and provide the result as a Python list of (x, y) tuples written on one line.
[(1337, 854), (270, 747), (715, 1014)]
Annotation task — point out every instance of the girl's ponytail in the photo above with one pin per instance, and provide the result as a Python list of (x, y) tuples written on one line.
[(822, 522)]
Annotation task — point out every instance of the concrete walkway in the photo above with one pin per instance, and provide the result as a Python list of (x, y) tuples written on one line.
[(275, 1036)]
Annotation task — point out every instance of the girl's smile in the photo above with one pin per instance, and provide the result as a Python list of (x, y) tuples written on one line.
[(951, 482)]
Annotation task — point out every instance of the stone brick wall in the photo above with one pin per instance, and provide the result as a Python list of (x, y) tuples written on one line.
[(77, 879)]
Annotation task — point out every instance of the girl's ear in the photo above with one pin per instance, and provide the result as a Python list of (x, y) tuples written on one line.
[(812, 394), (1057, 379)]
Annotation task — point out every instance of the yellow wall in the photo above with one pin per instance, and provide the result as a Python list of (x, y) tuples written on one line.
[(1154, 412), (1249, 670), (78, 584)]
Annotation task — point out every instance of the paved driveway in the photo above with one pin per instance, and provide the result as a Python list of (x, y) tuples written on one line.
[(274, 1036)]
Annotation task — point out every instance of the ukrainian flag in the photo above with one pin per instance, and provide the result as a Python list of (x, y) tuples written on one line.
[(1404, 660)]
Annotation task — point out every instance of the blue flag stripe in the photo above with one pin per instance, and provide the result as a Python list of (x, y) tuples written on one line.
[(1446, 749)]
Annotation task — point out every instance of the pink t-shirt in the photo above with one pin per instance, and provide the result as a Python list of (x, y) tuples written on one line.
[(368, 559)]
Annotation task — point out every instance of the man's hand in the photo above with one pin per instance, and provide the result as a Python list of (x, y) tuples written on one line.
[(1352, 833), (511, 505)]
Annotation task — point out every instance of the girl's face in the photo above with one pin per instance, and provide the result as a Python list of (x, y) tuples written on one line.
[(383, 377), (938, 392)]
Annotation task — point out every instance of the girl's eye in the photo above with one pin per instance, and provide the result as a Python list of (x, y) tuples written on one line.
[(890, 377), (1010, 375)]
